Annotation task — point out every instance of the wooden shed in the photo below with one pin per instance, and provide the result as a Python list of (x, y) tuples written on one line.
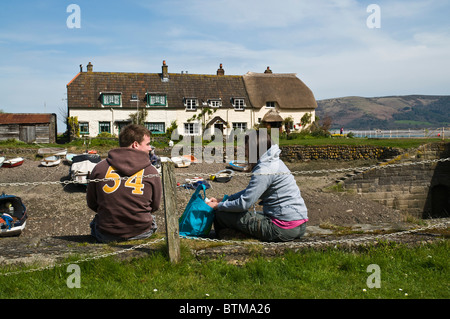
[(28, 127)]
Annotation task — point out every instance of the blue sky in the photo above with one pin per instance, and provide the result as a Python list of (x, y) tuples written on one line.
[(328, 44)]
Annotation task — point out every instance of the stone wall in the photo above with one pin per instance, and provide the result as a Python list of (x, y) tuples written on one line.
[(295, 153), (422, 190), (336, 152)]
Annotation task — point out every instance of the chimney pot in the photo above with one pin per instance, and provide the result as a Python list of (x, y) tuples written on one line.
[(220, 70), (90, 67), (165, 72)]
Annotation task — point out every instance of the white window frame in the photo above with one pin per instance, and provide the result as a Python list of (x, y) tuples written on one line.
[(215, 103), (239, 104), (270, 105), (191, 128), (240, 125), (191, 103)]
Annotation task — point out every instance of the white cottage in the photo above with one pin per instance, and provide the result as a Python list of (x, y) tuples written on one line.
[(103, 101)]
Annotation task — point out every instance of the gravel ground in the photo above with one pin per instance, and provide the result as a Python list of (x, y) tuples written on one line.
[(60, 210)]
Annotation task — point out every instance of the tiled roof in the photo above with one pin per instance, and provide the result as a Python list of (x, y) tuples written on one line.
[(84, 90), (24, 118)]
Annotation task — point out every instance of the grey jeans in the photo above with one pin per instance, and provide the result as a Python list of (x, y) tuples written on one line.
[(257, 225), (106, 238)]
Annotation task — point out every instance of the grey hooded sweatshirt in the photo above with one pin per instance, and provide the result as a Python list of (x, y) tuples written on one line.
[(279, 194)]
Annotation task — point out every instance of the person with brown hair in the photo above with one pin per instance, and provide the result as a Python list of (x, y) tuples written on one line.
[(284, 214), (125, 203)]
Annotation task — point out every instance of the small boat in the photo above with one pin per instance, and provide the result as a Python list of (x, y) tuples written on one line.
[(49, 161), (223, 176), (2, 159), (237, 165), (14, 162), (69, 157), (58, 151), (181, 161), (13, 216), (82, 166)]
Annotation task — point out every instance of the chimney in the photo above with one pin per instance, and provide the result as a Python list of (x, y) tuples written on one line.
[(90, 67), (165, 72), (268, 70), (220, 71)]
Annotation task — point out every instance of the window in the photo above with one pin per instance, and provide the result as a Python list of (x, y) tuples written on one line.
[(238, 103), (155, 127), (215, 103), (104, 127), (84, 127), (240, 125), (111, 99), (191, 129), (191, 103), (156, 100), (121, 125), (270, 104)]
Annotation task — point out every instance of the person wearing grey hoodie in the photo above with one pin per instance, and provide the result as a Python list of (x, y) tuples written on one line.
[(284, 214), (125, 203)]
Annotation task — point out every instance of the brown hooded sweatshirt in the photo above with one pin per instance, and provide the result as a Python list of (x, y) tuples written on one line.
[(124, 206)]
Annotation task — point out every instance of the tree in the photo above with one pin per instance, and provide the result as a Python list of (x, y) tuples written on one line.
[(306, 119), (139, 117), (73, 127), (206, 111)]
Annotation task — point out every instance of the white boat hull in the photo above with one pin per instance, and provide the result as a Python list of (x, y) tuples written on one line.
[(51, 161), (13, 162), (13, 231)]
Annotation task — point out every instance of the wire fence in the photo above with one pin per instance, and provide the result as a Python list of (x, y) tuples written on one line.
[(402, 133)]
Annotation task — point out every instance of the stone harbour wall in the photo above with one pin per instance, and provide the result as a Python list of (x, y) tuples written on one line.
[(422, 190), (296, 153)]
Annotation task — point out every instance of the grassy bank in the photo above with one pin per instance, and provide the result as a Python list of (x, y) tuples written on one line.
[(405, 273), (404, 143), (104, 144)]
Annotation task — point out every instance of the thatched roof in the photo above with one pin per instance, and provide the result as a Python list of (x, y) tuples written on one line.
[(272, 116), (287, 90)]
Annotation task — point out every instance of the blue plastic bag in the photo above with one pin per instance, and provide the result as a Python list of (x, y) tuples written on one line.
[(198, 217)]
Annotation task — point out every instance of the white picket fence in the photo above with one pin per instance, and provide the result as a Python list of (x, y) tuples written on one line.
[(408, 133)]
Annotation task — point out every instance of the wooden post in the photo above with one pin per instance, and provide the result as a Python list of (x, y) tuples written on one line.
[(170, 211)]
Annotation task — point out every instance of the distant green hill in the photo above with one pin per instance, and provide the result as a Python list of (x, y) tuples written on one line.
[(389, 112)]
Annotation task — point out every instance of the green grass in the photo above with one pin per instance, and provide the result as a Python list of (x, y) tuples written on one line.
[(406, 273), (404, 143), (105, 144)]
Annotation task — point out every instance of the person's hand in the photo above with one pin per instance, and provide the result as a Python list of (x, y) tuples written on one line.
[(213, 202)]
